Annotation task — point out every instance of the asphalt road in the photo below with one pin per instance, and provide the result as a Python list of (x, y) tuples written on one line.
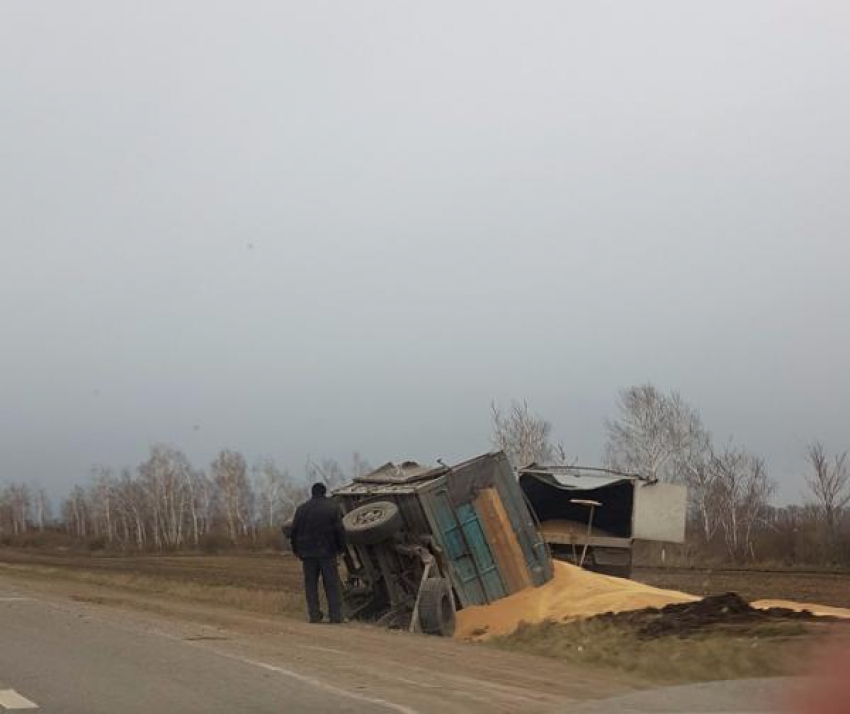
[(67, 661), (71, 654), (73, 649)]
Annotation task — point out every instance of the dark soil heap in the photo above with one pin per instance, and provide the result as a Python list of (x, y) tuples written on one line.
[(689, 618)]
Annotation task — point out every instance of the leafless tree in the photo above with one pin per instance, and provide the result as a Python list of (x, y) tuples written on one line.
[(276, 493), (522, 435), (166, 475), (705, 498), (829, 481), (744, 492), (655, 434), (20, 498), (199, 492), (7, 515), (230, 475), (102, 499), (41, 507), (134, 500), (327, 470), (22, 507), (208, 502), (76, 513), (692, 464)]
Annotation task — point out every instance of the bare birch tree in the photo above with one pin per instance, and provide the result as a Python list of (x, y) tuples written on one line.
[(829, 481), (133, 500), (75, 510), (653, 434), (19, 502), (41, 507), (275, 493), (522, 435), (198, 494), (165, 475), (692, 464), (102, 498), (230, 475), (19, 499), (744, 494)]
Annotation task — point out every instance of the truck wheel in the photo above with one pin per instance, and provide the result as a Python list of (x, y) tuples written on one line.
[(372, 523), (436, 614)]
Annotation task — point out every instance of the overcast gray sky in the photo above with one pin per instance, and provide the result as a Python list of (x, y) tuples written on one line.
[(312, 227)]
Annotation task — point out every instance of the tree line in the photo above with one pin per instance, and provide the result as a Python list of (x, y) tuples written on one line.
[(167, 503), (732, 516)]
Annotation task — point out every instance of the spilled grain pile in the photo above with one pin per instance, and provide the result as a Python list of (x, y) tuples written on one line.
[(577, 594), (572, 594), (819, 610)]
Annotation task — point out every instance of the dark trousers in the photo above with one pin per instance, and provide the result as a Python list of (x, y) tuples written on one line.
[(313, 567)]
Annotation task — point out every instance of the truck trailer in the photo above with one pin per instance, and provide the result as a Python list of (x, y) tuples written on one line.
[(593, 516)]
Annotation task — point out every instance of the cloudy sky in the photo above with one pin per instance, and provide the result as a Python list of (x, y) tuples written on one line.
[(300, 229)]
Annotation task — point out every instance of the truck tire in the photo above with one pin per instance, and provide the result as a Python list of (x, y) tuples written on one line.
[(372, 523), (436, 614)]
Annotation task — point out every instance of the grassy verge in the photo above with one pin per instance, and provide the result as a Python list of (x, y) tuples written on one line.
[(761, 650), (251, 599)]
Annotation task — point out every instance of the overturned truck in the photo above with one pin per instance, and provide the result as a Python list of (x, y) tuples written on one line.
[(426, 541)]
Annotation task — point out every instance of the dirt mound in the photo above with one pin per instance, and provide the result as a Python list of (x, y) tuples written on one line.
[(682, 619)]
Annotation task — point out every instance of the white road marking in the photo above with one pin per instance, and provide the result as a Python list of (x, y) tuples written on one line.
[(10, 699), (304, 678)]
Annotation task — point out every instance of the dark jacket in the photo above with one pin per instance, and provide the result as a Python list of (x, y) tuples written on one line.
[(317, 530)]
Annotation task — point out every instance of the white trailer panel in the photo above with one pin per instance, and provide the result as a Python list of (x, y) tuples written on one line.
[(659, 512)]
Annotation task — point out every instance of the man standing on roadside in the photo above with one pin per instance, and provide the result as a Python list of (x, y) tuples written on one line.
[(317, 539)]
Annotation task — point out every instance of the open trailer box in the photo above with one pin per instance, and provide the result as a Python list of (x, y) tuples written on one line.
[(592, 516)]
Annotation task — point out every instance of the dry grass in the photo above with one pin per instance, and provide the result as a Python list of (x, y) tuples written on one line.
[(762, 650), (282, 601)]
